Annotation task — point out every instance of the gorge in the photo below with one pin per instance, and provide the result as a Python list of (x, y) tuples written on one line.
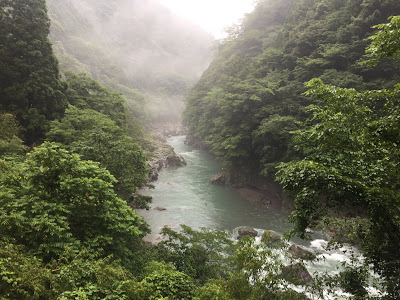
[(292, 123)]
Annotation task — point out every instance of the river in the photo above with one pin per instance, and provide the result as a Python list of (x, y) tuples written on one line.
[(189, 198)]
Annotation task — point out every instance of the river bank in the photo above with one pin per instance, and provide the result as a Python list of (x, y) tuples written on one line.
[(188, 198), (184, 195), (251, 186)]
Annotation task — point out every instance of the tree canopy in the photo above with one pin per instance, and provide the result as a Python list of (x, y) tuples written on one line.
[(251, 96), (351, 160), (55, 201), (96, 137), (30, 85)]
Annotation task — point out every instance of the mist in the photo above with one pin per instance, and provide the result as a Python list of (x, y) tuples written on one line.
[(139, 48)]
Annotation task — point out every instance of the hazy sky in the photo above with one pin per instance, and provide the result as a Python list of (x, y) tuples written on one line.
[(212, 15)]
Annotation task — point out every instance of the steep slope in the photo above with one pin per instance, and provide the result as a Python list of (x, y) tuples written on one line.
[(137, 47), (250, 98)]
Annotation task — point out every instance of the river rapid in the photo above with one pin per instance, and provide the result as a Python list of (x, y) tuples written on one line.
[(183, 195)]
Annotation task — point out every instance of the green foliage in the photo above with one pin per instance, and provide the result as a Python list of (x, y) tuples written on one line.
[(212, 291), (80, 277), (84, 277), (384, 44), (165, 282), (244, 269), (352, 160), (30, 86), (353, 280), (21, 276), (85, 93), (10, 143), (56, 201), (250, 98), (270, 138), (96, 137), (200, 254)]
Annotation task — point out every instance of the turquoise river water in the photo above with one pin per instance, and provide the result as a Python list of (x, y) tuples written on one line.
[(190, 199)]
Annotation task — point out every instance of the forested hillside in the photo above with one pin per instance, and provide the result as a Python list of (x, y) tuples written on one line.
[(259, 104), (136, 47), (250, 98), (72, 155)]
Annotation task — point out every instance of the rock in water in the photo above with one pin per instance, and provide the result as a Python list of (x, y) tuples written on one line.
[(298, 252), (247, 231), (176, 160), (159, 208), (296, 274), (218, 179), (270, 237)]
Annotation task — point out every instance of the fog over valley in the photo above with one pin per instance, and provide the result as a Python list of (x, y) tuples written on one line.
[(200, 149), (127, 45)]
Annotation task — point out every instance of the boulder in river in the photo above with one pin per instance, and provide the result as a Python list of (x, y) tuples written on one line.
[(299, 252), (296, 274), (163, 157), (247, 231), (218, 179), (270, 237), (159, 208), (175, 159)]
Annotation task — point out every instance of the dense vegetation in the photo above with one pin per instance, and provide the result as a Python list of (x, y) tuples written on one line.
[(251, 96), (71, 156), (344, 153), (136, 47), (30, 87), (351, 159)]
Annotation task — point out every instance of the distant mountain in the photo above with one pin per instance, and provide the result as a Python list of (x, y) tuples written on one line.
[(136, 47)]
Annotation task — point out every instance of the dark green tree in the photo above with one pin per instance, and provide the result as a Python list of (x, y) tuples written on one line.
[(30, 85), (86, 93), (351, 149), (96, 137), (251, 96), (10, 143), (56, 201)]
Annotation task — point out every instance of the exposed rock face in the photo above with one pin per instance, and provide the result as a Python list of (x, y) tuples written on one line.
[(247, 231), (257, 189), (176, 160), (163, 157), (270, 237), (252, 195), (218, 179), (298, 252), (191, 140), (296, 274), (249, 184)]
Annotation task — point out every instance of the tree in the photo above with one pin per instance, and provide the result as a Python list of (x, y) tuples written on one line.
[(10, 143), (385, 43), (352, 160), (251, 96), (96, 137), (30, 85), (56, 201), (86, 93)]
